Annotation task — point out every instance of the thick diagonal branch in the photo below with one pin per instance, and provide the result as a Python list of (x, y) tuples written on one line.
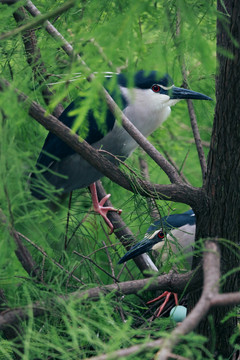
[(176, 192)]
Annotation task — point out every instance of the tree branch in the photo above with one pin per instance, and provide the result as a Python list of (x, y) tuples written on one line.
[(226, 299), (152, 205), (172, 282), (22, 252), (209, 298), (211, 269), (40, 20)]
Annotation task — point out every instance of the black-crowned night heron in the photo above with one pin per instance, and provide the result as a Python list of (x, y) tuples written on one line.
[(171, 234), (146, 101)]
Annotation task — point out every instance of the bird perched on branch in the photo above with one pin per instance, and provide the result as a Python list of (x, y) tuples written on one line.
[(146, 101), (171, 234)]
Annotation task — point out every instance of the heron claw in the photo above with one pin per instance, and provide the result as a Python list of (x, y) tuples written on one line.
[(166, 294), (101, 209)]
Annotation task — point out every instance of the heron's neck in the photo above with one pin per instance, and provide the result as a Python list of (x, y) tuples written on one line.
[(146, 109)]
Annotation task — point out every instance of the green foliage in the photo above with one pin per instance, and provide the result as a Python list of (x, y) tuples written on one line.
[(108, 35)]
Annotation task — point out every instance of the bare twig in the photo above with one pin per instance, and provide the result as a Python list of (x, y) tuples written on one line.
[(191, 111), (49, 258), (109, 259), (197, 138), (171, 161), (24, 256), (192, 115), (192, 141), (22, 252), (66, 242), (226, 299), (152, 205), (94, 263)]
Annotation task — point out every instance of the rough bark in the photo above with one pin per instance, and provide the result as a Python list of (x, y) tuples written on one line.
[(222, 216)]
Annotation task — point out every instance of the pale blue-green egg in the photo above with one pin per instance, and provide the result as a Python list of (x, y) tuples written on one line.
[(178, 313)]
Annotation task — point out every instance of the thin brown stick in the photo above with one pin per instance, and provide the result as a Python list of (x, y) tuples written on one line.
[(152, 205), (192, 114), (66, 242), (109, 259), (197, 138), (226, 299), (94, 263), (171, 161), (22, 252), (43, 252)]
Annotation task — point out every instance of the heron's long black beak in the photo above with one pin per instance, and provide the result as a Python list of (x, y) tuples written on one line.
[(180, 93), (140, 248)]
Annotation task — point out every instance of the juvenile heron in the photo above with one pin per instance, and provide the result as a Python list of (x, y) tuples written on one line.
[(174, 233)]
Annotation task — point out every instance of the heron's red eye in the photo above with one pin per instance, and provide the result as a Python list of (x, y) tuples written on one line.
[(156, 88), (160, 235)]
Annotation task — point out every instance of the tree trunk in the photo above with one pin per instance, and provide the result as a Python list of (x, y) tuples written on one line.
[(221, 218)]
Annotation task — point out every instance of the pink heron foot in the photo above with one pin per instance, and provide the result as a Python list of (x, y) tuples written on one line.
[(100, 208), (166, 294)]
